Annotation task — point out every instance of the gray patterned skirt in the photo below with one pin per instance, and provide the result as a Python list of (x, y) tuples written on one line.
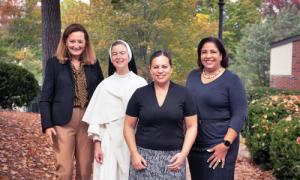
[(157, 169)]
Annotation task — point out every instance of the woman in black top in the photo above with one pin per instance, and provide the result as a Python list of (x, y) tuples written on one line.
[(70, 80), (222, 108), (159, 147)]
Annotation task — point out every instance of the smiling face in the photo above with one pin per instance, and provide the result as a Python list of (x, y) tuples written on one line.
[(211, 57), (161, 69), (76, 44), (119, 56)]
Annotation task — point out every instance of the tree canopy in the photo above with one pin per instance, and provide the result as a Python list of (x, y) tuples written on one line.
[(175, 26), (253, 57)]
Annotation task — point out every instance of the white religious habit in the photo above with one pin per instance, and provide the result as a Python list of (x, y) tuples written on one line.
[(105, 116)]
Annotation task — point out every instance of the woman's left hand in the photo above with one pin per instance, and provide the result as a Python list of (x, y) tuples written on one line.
[(219, 155), (176, 162)]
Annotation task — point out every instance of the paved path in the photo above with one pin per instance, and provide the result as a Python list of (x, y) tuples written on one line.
[(24, 153)]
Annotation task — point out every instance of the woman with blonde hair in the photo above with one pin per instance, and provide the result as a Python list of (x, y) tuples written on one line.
[(70, 80)]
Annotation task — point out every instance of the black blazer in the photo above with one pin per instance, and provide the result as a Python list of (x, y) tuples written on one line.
[(57, 96)]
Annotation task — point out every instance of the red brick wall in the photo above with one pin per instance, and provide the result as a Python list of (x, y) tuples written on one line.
[(289, 82)]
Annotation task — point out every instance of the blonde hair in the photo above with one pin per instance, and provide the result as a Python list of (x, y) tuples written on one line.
[(88, 55)]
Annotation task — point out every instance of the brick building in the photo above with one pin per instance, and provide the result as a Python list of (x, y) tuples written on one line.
[(285, 63)]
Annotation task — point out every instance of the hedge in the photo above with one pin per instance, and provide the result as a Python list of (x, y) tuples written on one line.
[(284, 150), (255, 93), (272, 129), (17, 86)]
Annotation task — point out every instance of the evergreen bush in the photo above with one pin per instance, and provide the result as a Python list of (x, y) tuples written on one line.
[(284, 150), (255, 93), (262, 115), (17, 86), (271, 132)]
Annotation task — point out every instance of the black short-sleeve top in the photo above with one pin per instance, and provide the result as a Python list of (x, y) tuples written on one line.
[(161, 127)]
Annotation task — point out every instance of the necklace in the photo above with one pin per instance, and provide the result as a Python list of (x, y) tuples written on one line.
[(210, 76)]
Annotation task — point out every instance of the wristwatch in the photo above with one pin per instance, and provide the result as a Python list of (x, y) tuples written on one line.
[(226, 143)]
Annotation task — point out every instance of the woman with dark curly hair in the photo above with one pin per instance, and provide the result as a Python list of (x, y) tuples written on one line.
[(222, 108)]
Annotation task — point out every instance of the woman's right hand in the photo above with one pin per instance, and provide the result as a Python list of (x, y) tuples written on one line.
[(98, 154), (50, 132), (138, 162)]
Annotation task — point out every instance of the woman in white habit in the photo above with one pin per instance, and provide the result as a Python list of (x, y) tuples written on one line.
[(106, 111)]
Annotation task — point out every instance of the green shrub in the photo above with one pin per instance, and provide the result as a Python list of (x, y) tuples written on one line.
[(255, 93), (284, 150), (17, 86), (272, 128), (263, 115)]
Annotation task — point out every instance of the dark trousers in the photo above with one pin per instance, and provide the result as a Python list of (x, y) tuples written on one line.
[(199, 167)]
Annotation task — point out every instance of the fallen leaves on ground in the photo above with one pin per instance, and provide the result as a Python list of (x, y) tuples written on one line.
[(25, 154)]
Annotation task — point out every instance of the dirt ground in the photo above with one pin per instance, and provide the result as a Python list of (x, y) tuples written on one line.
[(25, 154)]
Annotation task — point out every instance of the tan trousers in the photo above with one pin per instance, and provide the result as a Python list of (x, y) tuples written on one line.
[(72, 141)]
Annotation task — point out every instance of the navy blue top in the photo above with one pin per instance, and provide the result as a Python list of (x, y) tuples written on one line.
[(160, 127), (221, 104)]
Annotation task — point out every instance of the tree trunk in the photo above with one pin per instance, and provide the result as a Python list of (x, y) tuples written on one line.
[(51, 27)]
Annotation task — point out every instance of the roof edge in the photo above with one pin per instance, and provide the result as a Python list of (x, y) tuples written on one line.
[(285, 41)]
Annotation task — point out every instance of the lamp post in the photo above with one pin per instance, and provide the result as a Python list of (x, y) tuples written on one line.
[(221, 4)]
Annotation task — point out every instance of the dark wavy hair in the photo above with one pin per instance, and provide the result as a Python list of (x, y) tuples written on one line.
[(160, 53), (220, 47)]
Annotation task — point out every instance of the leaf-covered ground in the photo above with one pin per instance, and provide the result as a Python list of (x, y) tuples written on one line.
[(25, 154)]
